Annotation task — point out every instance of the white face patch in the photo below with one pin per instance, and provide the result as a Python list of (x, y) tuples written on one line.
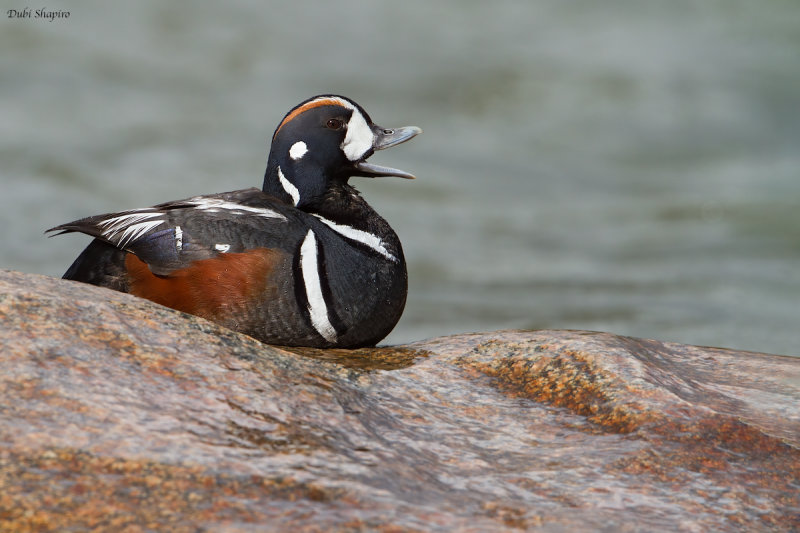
[(289, 187), (317, 308), (359, 138), (222, 248), (361, 236), (298, 150)]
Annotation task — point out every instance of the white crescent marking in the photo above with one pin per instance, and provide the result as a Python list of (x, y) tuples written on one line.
[(316, 302)]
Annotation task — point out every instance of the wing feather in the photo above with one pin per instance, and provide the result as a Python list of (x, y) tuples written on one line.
[(173, 235)]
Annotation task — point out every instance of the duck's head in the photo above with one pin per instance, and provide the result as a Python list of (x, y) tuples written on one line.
[(321, 143)]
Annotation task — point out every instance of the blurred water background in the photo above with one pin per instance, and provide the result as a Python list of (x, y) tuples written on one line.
[(630, 166)]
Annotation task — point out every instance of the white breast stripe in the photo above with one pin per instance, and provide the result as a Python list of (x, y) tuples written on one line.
[(213, 205), (316, 303), (364, 237), (290, 189)]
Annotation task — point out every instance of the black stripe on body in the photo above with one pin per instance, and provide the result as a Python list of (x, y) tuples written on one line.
[(333, 317)]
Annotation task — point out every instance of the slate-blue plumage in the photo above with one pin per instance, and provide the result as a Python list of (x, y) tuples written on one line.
[(303, 262)]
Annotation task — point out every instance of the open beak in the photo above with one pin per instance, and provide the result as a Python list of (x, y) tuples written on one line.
[(384, 138)]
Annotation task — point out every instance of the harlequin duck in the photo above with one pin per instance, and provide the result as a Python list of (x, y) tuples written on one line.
[(303, 262)]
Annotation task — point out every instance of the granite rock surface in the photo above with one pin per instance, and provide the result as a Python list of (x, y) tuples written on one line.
[(117, 414)]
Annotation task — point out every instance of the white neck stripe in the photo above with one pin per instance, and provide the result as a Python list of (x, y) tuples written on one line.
[(316, 302), (289, 187)]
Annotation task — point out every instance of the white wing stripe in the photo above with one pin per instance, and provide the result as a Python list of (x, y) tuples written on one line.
[(128, 227), (316, 302), (131, 226), (117, 223), (213, 205), (134, 231)]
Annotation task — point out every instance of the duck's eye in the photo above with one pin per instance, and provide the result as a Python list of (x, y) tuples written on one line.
[(334, 124)]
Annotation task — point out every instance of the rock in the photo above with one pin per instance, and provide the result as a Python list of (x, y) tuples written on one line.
[(121, 415)]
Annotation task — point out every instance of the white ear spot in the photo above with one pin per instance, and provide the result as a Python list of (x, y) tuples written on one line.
[(359, 137), (298, 150)]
